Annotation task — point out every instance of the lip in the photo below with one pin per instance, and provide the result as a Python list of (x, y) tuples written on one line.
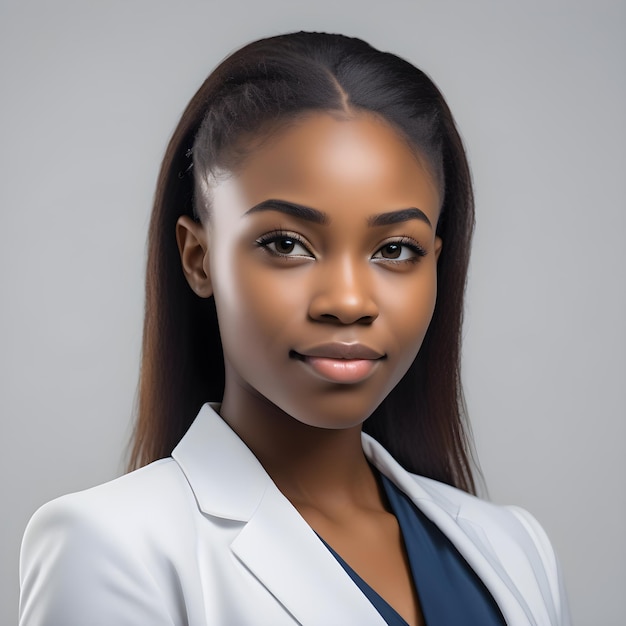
[(340, 350), (342, 363)]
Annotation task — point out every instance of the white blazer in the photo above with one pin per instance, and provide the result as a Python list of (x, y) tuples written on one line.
[(206, 538)]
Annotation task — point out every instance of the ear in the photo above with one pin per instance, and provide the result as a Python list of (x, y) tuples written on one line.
[(438, 246), (194, 255)]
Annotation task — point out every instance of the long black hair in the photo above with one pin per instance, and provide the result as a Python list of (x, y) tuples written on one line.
[(269, 82)]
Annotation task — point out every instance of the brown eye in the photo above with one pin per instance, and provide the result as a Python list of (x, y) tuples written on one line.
[(391, 251), (284, 245), (400, 251)]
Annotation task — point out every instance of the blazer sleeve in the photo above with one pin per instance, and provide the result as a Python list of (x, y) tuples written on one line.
[(550, 563), (74, 571)]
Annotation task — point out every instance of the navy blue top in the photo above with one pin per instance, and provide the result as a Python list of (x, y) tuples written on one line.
[(450, 593)]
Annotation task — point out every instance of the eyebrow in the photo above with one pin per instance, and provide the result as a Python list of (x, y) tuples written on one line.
[(395, 217), (289, 208), (318, 217)]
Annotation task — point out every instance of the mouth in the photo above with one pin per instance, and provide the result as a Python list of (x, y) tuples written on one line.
[(343, 363)]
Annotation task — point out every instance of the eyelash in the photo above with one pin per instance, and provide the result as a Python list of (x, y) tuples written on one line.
[(404, 242), (276, 235)]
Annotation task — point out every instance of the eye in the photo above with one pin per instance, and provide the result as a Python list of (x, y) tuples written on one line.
[(284, 245), (400, 251)]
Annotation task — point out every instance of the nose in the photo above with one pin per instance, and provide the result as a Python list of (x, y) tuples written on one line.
[(343, 294)]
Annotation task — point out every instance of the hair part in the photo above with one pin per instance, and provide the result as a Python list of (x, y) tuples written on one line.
[(250, 96)]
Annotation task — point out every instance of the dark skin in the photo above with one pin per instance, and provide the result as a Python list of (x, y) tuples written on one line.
[(322, 309)]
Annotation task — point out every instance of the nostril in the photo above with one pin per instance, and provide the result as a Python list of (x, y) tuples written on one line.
[(366, 319), (345, 319)]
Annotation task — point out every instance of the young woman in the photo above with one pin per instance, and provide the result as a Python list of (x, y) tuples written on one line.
[(307, 263)]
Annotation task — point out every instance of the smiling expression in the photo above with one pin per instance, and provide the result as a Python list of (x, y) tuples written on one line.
[(321, 254)]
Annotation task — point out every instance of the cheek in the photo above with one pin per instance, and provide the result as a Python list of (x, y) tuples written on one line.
[(253, 307), (425, 299), (408, 311)]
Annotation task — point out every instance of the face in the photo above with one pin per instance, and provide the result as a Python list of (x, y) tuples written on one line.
[(321, 254)]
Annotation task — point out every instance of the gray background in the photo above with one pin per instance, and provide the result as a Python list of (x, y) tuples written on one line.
[(90, 93)]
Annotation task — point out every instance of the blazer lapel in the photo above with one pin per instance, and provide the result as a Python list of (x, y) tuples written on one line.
[(469, 540), (275, 543), (286, 555)]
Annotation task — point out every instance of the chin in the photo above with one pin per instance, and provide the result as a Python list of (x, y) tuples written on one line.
[(334, 411)]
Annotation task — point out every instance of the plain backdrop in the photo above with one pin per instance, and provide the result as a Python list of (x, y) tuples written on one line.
[(90, 94)]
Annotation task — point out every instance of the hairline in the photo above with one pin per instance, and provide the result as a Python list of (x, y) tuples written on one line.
[(273, 129)]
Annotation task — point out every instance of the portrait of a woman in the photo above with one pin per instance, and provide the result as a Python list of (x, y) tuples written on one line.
[(301, 453)]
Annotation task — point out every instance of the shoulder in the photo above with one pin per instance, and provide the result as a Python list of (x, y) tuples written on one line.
[(511, 521), (95, 550), (504, 545), (511, 537), (157, 493)]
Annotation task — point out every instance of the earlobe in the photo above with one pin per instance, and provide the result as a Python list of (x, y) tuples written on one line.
[(438, 246), (194, 255)]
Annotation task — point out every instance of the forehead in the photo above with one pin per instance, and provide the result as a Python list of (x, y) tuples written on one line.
[(334, 162)]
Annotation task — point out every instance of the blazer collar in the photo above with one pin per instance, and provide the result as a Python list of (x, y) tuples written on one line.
[(227, 479), (229, 482), (275, 543), (466, 535)]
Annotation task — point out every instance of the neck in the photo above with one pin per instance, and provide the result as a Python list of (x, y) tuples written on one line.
[(314, 467)]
